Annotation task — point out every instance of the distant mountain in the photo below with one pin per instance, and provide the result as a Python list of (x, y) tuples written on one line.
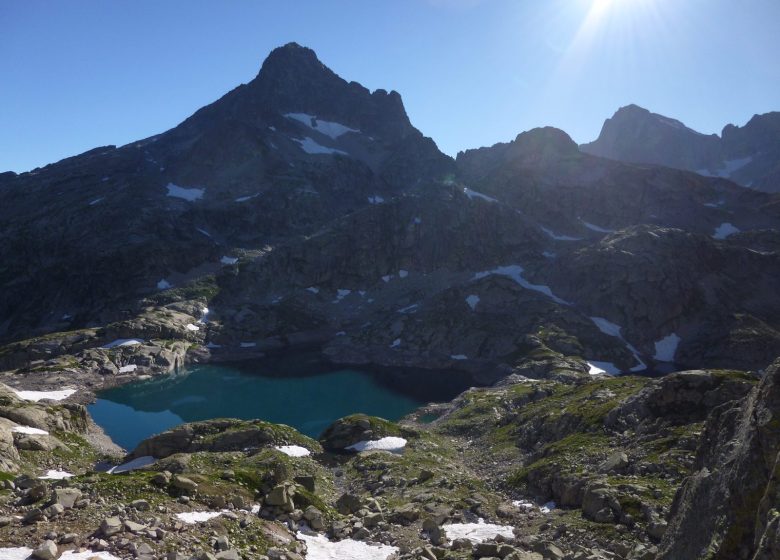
[(748, 155)]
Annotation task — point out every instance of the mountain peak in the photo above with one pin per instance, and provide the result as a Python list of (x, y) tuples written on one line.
[(291, 57), (543, 144)]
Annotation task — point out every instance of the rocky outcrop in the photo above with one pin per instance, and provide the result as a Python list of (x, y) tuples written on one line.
[(220, 436), (728, 507)]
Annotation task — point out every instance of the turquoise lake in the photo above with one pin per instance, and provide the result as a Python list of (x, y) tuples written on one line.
[(275, 391)]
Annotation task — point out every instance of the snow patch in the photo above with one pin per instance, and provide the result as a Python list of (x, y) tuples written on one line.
[(477, 532), (474, 194), (18, 553), (666, 348), (87, 555), (191, 327), (53, 474), (185, 193), (459, 357), (376, 199), (594, 227), (611, 329), (341, 294), (396, 343), (311, 147), (409, 308), (328, 128), (320, 548), (248, 344), (119, 342), (164, 284), (607, 327), (193, 517), (387, 278), (228, 260), (29, 430), (724, 230), (548, 507), (390, 443), (313, 289), (36, 396), (293, 450), (92, 203), (608, 368), (403, 273), (515, 272), (128, 368), (472, 301), (245, 198), (137, 463), (559, 237)]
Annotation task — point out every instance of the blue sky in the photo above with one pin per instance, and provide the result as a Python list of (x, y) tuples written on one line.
[(85, 73)]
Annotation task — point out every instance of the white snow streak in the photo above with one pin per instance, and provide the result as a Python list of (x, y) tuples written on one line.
[(119, 342), (29, 430), (185, 193), (474, 194), (559, 237), (515, 272), (311, 147)]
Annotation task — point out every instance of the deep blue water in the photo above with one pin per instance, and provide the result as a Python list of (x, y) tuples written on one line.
[(308, 402)]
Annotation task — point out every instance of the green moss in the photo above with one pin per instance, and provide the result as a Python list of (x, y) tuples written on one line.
[(734, 374)]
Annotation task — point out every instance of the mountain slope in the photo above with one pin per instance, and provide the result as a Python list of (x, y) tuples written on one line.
[(748, 155), (298, 146)]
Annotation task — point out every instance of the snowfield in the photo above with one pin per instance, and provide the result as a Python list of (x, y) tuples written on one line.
[(390, 443), (137, 463), (666, 348), (56, 475), (185, 193), (724, 230), (312, 147), (515, 272), (477, 532), (329, 128), (320, 548), (293, 450), (29, 430), (36, 396)]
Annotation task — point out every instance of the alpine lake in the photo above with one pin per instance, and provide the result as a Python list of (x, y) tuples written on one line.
[(299, 391)]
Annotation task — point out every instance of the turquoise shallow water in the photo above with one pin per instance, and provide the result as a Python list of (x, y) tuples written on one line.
[(133, 412)]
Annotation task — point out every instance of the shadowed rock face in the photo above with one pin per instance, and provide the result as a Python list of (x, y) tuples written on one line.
[(749, 155), (305, 209), (86, 237), (728, 508)]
